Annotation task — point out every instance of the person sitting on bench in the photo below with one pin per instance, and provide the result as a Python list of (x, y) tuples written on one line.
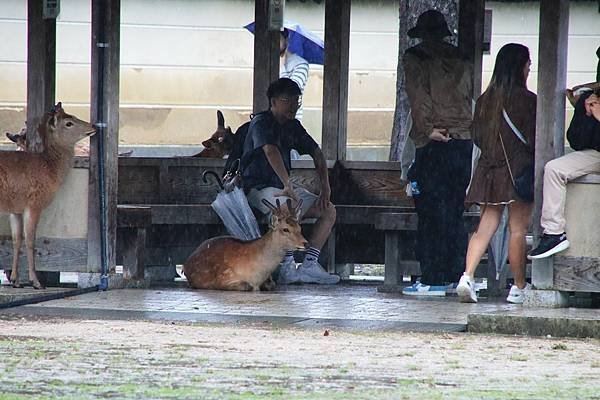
[(584, 137), (271, 135)]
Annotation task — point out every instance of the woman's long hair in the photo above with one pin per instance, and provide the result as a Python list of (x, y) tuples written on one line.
[(508, 75)]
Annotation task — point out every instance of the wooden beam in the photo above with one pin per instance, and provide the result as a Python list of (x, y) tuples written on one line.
[(335, 79), (41, 70), (266, 56), (105, 114), (550, 122), (471, 15), (57, 254)]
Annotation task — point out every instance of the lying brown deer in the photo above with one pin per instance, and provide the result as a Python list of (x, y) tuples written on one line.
[(227, 263), (29, 181), (220, 143)]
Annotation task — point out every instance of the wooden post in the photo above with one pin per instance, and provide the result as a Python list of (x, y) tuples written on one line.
[(105, 115), (550, 122), (266, 56), (41, 70), (471, 15), (335, 79)]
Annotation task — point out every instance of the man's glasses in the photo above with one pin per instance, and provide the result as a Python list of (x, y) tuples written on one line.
[(293, 101)]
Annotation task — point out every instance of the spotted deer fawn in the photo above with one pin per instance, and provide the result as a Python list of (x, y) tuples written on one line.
[(29, 181), (220, 143), (227, 263)]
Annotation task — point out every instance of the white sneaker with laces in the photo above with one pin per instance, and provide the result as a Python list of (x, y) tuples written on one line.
[(466, 289), (288, 273), (312, 272), (516, 295)]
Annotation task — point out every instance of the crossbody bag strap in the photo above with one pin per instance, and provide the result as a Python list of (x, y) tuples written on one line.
[(512, 178), (512, 126)]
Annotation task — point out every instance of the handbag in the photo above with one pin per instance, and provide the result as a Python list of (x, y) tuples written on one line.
[(523, 182)]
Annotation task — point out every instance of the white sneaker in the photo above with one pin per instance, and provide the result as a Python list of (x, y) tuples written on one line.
[(288, 273), (466, 289), (312, 272), (516, 295)]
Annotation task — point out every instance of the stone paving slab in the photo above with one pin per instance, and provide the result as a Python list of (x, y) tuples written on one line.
[(344, 306), (10, 296), (556, 322)]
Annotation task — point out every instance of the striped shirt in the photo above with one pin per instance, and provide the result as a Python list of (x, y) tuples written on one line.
[(296, 68)]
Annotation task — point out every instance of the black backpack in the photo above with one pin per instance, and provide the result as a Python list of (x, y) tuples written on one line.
[(232, 164)]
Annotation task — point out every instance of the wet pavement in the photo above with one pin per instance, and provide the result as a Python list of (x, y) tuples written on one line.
[(348, 306)]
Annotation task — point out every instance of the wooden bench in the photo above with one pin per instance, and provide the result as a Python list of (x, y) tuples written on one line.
[(181, 216), (132, 225), (578, 268)]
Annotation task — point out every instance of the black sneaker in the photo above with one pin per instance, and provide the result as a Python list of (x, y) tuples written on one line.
[(549, 245)]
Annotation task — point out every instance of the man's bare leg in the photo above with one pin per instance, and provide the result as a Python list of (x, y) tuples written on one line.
[(323, 226)]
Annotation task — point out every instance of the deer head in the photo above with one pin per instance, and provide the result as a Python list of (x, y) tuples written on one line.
[(220, 143), (284, 223), (62, 129), (20, 139)]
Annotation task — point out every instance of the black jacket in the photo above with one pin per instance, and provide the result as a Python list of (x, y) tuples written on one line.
[(584, 131)]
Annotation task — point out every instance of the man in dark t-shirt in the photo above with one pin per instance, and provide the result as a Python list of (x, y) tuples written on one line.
[(271, 136)]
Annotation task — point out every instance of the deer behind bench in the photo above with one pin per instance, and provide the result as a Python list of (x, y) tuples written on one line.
[(227, 263), (220, 142), (29, 181)]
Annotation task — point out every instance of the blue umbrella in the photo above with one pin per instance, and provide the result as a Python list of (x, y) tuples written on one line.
[(302, 42)]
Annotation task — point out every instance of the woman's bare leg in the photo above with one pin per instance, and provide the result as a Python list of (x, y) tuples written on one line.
[(481, 238), (519, 218)]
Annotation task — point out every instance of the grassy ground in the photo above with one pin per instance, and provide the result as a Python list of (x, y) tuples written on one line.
[(72, 359)]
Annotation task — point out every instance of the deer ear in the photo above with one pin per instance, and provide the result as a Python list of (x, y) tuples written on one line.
[(273, 222), (298, 209), (220, 119), (52, 121)]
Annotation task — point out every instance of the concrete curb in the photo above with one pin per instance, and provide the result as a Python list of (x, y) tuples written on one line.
[(534, 325)]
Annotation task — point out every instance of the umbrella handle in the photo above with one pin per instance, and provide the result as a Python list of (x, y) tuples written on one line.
[(205, 175)]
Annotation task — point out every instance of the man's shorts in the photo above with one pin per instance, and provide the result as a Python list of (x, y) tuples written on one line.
[(270, 193)]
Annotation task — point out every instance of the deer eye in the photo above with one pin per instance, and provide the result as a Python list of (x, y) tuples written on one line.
[(286, 230), (69, 124)]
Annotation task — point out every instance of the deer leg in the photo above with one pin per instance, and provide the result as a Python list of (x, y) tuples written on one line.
[(31, 218), (241, 286), (16, 229), (268, 285)]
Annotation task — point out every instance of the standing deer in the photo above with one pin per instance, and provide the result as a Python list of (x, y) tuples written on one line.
[(81, 149), (29, 181), (220, 143), (227, 263)]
